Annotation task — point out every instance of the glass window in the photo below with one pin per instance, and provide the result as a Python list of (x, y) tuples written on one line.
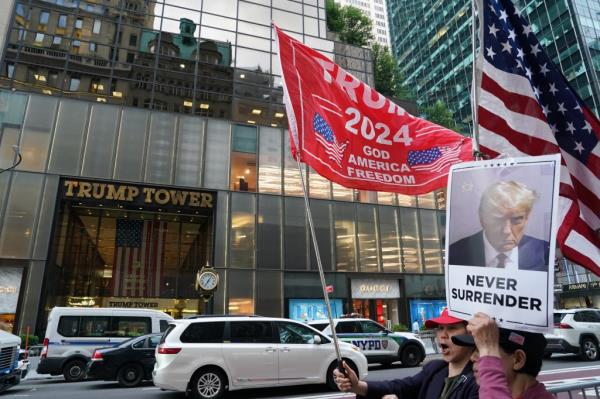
[(226, 8), (345, 247), (319, 187), (348, 327), (132, 141), (46, 215), (21, 213), (253, 60), (131, 326), (68, 326), (133, 40), (242, 236), (426, 201), (37, 132), (240, 287), (188, 170), (322, 223), (293, 333), (407, 200), (97, 26), (154, 340), (341, 193), (57, 40), (269, 232), (370, 327), (74, 84), (97, 160), (255, 13), (295, 234), (386, 198), (204, 333), (367, 239), (92, 47), (94, 326), (164, 325), (292, 184), (251, 332), (268, 293), (159, 161), (243, 158), (269, 155), (139, 344), (216, 172), (411, 248), (292, 22), (431, 241), (44, 16), (79, 23), (62, 21), (390, 240), (68, 139)]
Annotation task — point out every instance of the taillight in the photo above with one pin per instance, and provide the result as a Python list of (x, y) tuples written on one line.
[(97, 356), (564, 326), (168, 351), (44, 352)]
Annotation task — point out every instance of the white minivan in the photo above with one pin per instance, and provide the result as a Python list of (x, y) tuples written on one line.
[(73, 334)]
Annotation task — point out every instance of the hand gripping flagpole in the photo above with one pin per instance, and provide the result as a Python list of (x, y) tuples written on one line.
[(320, 267)]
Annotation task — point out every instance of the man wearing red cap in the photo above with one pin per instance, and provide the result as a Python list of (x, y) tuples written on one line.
[(450, 378)]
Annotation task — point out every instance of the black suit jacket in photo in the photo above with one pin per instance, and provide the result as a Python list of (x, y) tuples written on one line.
[(470, 251)]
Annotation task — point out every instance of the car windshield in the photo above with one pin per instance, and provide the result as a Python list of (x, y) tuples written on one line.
[(319, 326)]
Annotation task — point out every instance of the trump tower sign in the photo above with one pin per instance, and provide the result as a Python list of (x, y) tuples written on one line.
[(501, 237)]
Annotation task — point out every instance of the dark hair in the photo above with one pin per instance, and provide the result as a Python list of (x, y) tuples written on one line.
[(533, 364)]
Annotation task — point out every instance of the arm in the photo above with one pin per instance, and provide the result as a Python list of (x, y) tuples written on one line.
[(405, 388), (492, 380)]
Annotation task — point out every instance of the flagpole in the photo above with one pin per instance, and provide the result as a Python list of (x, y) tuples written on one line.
[(320, 267), (474, 96)]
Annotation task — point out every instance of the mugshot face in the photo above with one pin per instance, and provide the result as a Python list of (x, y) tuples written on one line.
[(504, 227)]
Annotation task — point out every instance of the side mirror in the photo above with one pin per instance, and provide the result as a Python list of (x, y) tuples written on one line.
[(386, 332), (317, 339)]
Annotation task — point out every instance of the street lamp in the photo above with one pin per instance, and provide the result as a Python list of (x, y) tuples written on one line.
[(16, 160)]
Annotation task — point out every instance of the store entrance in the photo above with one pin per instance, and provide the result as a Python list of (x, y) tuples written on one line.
[(110, 256), (383, 311)]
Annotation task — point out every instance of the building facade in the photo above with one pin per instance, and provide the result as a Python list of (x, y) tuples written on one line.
[(436, 58), (153, 141), (377, 11)]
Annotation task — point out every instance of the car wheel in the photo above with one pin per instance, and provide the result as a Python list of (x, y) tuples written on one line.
[(130, 375), (208, 384), (330, 381), (589, 349), (74, 371), (411, 355)]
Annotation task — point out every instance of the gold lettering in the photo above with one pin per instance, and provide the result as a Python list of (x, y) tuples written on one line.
[(178, 197), (206, 200), (132, 191), (98, 194), (162, 196), (115, 194), (148, 194), (85, 189), (70, 185), (194, 199)]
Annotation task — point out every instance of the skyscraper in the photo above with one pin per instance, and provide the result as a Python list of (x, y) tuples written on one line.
[(377, 11), (432, 42)]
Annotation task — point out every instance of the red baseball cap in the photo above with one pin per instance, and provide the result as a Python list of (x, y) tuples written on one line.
[(443, 318)]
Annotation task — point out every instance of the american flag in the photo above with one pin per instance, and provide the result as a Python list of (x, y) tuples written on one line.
[(526, 107), (326, 137), (434, 159), (139, 257)]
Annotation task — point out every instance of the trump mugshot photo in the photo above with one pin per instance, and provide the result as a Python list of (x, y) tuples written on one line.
[(501, 217)]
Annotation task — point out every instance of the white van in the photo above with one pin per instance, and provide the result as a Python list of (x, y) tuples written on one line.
[(73, 334)]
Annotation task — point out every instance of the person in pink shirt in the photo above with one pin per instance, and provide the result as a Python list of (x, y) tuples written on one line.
[(505, 362)]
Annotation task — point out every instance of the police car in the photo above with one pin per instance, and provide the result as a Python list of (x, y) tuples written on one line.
[(377, 343)]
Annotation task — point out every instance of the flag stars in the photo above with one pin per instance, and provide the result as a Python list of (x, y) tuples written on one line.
[(519, 64), (561, 108), (503, 16), (520, 53), (579, 147), (506, 46), (528, 73), (536, 92), (587, 127), (492, 8), (545, 108), (490, 52), (554, 129), (570, 127), (511, 35), (527, 30), (493, 29), (552, 88), (535, 50), (544, 69)]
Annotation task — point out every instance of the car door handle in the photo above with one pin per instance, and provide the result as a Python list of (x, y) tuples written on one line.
[(270, 349), (285, 349)]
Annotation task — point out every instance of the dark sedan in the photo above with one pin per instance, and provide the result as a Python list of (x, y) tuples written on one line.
[(129, 363)]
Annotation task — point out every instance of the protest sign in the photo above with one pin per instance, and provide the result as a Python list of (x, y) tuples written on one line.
[(500, 240)]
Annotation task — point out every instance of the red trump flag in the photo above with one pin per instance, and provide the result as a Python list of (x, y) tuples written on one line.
[(356, 137)]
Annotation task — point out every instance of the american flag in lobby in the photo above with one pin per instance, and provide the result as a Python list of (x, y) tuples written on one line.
[(139, 257), (526, 107)]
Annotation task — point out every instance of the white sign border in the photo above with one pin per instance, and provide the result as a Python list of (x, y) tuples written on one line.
[(554, 159)]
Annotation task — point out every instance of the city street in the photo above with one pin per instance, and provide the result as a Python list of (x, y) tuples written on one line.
[(55, 387)]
